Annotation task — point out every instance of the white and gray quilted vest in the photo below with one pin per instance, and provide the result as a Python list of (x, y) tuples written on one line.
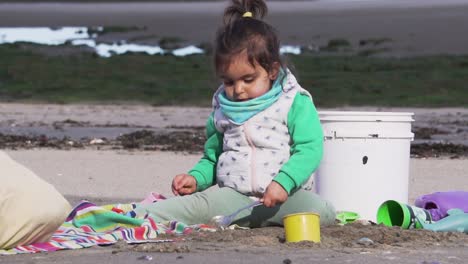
[(254, 152)]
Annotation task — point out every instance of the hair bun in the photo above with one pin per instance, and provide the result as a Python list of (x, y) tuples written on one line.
[(257, 8)]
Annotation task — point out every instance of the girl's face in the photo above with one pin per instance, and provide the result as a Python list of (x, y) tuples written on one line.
[(243, 82)]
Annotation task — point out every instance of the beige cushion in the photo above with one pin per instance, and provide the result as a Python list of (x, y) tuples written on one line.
[(30, 208)]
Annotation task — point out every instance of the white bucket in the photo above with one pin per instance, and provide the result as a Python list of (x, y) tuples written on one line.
[(365, 161)]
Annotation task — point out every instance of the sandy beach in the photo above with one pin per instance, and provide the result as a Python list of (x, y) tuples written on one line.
[(108, 175)]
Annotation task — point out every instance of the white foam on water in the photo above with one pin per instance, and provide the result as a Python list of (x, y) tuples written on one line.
[(296, 50), (79, 36), (41, 35), (190, 50), (107, 50), (86, 42)]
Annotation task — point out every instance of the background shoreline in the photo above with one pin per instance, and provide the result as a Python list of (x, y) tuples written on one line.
[(416, 27)]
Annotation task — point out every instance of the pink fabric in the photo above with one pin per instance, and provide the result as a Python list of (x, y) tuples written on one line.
[(152, 197)]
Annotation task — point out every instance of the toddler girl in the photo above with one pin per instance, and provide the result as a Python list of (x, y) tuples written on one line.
[(264, 138)]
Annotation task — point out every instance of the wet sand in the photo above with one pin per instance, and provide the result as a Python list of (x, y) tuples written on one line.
[(144, 171), (415, 27), (437, 125)]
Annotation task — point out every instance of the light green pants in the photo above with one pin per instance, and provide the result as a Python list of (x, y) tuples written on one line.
[(202, 206)]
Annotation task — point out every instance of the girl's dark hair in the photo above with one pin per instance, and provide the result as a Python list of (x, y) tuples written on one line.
[(251, 34)]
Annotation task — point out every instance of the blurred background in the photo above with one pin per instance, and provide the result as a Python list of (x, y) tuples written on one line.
[(345, 52)]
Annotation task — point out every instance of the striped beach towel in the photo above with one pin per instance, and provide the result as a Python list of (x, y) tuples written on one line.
[(90, 225)]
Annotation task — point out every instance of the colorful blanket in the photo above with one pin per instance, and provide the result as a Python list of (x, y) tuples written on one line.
[(89, 225)]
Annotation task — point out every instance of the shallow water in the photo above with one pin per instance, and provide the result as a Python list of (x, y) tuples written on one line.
[(299, 22)]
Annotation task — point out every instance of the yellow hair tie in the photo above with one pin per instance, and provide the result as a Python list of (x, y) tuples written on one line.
[(247, 14)]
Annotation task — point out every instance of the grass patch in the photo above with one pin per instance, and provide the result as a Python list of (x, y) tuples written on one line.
[(158, 80), (372, 51), (167, 80), (421, 82)]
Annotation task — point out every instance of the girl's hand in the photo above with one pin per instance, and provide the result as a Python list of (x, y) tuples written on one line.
[(274, 195), (183, 184)]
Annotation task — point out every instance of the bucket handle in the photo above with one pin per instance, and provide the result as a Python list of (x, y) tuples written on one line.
[(328, 135)]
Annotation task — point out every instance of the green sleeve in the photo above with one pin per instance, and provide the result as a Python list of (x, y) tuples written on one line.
[(307, 144), (205, 170)]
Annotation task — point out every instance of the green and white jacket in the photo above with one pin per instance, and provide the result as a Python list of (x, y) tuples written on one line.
[(283, 143)]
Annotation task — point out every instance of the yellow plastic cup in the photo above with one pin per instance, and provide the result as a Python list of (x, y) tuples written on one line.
[(302, 226)]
